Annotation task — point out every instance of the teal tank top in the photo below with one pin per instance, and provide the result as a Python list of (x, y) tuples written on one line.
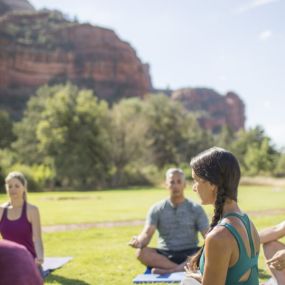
[(244, 262)]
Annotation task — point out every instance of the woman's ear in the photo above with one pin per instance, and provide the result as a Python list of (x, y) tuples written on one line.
[(214, 188)]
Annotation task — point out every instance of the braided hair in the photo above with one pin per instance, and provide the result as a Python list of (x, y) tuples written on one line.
[(221, 168)]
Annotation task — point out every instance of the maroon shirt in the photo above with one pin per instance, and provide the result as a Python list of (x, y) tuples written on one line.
[(19, 231), (17, 266)]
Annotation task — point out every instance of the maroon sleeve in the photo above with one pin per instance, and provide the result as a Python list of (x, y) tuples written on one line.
[(17, 265)]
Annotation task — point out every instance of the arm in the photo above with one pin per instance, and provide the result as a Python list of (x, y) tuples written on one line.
[(272, 233), (278, 260), (217, 264), (143, 239), (37, 234), (1, 212)]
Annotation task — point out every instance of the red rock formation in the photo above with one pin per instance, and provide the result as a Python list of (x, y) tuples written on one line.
[(235, 115), (15, 5), (213, 109), (55, 50)]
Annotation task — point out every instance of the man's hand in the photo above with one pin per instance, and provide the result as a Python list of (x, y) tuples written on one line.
[(277, 261), (135, 242)]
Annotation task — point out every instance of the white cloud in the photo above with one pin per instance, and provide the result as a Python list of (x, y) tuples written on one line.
[(265, 35), (254, 4)]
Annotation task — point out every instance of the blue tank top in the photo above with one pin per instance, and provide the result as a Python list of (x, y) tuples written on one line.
[(244, 262)]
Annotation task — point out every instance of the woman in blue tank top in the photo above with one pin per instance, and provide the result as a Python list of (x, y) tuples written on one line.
[(230, 253)]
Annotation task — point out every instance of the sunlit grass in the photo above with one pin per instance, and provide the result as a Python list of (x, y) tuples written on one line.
[(101, 255)]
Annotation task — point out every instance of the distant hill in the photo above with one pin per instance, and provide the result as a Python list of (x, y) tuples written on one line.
[(15, 5), (214, 110), (45, 47)]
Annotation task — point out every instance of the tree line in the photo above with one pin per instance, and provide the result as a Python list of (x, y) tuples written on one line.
[(67, 137)]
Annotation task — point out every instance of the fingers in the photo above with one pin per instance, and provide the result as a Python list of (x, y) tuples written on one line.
[(134, 242), (273, 259), (278, 265)]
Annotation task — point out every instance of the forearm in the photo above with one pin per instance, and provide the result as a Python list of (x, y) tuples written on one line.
[(273, 233), (38, 244), (144, 239)]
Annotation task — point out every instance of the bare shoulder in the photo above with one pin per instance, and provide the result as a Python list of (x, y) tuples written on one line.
[(4, 205), (32, 209), (219, 238)]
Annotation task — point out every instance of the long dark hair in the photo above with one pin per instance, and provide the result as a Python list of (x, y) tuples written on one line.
[(221, 168)]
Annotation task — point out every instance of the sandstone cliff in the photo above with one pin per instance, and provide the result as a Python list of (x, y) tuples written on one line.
[(44, 47), (15, 5), (213, 110)]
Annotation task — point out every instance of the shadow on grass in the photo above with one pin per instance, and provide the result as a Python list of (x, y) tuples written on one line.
[(65, 281), (263, 274)]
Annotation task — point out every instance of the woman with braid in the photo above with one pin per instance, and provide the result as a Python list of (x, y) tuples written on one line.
[(230, 253)]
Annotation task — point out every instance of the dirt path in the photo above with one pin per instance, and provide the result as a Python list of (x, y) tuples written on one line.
[(71, 227)]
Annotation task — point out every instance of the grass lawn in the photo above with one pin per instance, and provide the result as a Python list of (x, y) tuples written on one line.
[(101, 255)]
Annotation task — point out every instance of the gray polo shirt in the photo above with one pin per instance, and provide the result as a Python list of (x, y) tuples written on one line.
[(177, 226)]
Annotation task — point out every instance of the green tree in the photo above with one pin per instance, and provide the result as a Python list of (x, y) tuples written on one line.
[(256, 154), (69, 132), (6, 130), (129, 150), (225, 137), (279, 170), (174, 134), (27, 144), (258, 158)]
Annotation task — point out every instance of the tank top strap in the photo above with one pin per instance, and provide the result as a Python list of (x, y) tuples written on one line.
[(24, 211), (236, 235), (245, 220), (5, 213)]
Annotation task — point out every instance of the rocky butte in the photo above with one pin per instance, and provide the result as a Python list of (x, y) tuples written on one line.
[(213, 110), (45, 47)]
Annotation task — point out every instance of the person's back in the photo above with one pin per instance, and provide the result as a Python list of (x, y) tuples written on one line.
[(17, 266), (243, 269)]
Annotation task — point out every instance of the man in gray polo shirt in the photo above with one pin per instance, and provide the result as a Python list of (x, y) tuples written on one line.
[(178, 221)]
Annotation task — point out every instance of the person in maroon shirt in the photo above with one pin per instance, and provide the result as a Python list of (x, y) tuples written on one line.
[(17, 266), (20, 220)]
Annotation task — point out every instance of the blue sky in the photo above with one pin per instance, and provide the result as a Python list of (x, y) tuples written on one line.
[(227, 45)]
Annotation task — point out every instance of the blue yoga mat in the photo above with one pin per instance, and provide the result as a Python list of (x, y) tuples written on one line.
[(52, 263), (157, 278)]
